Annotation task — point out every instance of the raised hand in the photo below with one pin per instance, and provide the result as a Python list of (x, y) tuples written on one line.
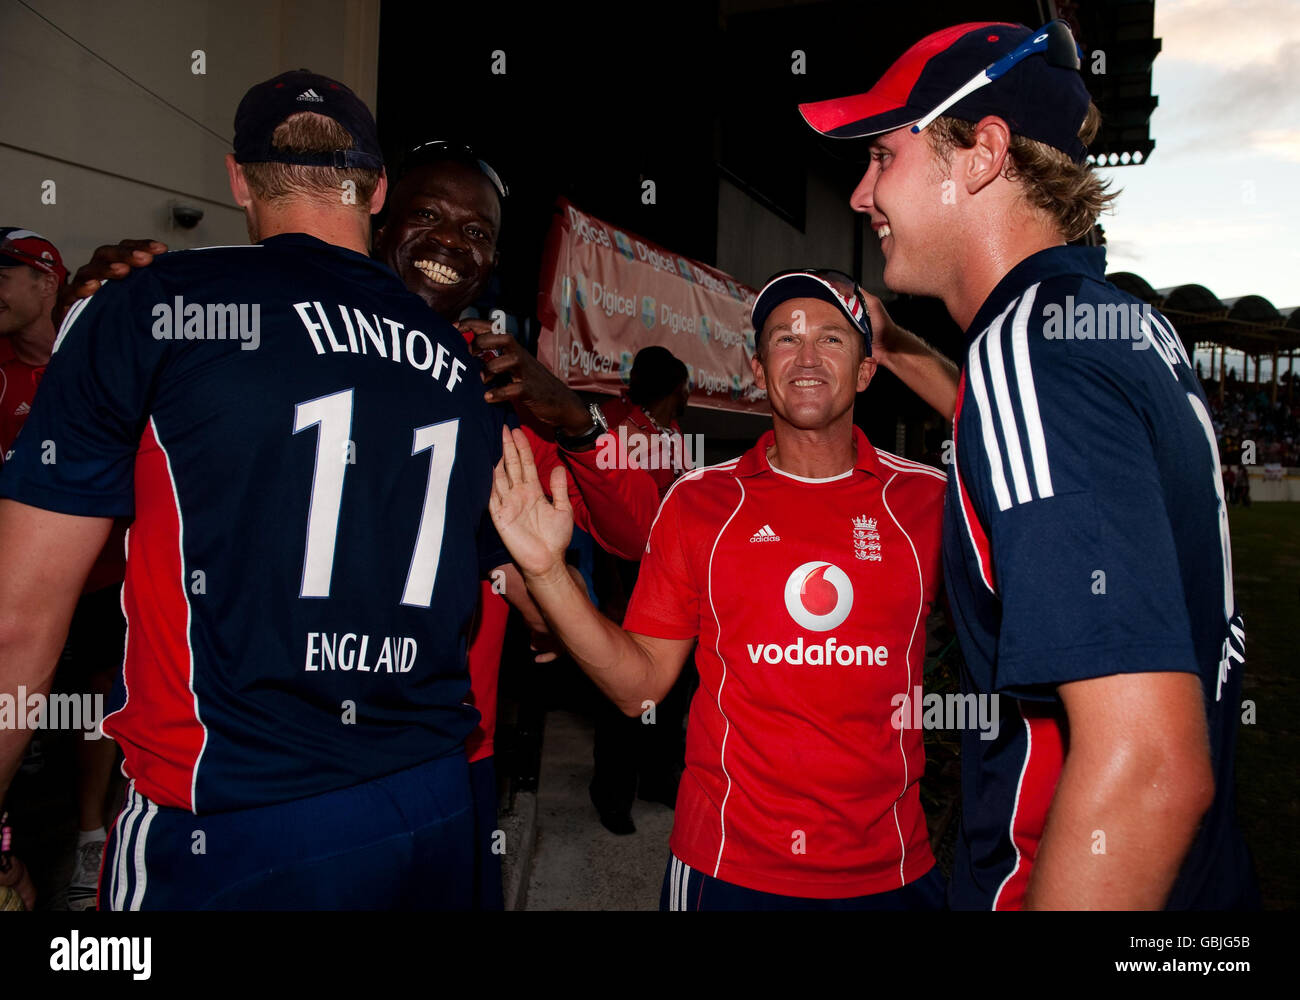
[(924, 370), (112, 260), (886, 332), (535, 530), (531, 383)]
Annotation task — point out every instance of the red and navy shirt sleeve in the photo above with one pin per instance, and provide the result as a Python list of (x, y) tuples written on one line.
[(76, 454), (1060, 512), (621, 500), (666, 600)]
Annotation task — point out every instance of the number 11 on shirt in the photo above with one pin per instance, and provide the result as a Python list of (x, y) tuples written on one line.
[(333, 415)]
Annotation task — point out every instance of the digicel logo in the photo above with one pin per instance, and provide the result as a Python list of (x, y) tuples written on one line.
[(819, 597)]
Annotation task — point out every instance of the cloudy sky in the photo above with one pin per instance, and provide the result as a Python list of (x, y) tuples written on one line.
[(1218, 203)]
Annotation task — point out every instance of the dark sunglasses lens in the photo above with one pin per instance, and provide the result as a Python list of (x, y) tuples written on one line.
[(441, 147), (495, 178), (836, 277), (840, 281), (1062, 52)]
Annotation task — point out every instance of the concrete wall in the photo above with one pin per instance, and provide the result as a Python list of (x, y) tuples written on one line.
[(103, 100), (754, 242)]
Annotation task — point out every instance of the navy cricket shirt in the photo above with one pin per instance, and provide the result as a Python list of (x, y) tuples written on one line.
[(1085, 535), (309, 494)]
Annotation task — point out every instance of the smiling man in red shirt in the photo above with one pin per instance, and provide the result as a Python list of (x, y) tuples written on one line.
[(805, 569), (31, 272)]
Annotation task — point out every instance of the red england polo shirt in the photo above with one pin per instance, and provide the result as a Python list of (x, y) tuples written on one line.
[(809, 598), (18, 381)]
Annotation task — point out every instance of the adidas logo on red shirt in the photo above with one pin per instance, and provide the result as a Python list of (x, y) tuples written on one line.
[(22, 409), (765, 534)]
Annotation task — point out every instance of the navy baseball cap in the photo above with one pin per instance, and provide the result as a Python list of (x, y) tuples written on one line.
[(268, 104), (813, 283), (1030, 79)]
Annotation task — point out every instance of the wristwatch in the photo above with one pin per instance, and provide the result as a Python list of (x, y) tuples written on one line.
[(587, 440)]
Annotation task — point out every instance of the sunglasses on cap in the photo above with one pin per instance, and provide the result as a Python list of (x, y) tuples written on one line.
[(1053, 40), (834, 277), (12, 255), (440, 149)]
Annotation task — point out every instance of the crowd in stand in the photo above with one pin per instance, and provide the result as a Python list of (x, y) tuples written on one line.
[(1247, 413)]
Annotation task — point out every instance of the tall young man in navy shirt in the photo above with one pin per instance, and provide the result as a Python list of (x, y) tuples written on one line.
[(1086, 547)]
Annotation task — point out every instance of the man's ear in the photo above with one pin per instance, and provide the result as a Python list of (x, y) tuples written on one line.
[(760, 376), (238, 182), (987, 158), (49, 284), (866, 372), (381, 192)]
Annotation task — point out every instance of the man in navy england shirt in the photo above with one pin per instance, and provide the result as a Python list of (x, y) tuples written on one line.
[(1086, 544), (306, 452)]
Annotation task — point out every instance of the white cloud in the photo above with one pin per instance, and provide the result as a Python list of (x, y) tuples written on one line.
[(1187, 232), (1118, 251), (1282, 143), (1223, 34), (1228, 259), (1226, 76), (1215, 205)]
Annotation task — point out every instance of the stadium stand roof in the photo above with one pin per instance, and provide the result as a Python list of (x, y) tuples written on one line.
[(1247, 323)]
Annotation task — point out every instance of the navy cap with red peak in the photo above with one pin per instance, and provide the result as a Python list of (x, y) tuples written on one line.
[(268, 104), (1030, 79), (22, 246), (812, 283)]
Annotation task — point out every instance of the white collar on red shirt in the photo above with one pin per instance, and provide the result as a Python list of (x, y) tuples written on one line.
[(754, 461)]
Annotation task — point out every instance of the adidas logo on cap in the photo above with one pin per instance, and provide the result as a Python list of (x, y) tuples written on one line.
[(310, 95), (765, 534)]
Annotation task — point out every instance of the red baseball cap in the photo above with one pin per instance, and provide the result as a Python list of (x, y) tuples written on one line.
[(22, 246), (1028, 78)]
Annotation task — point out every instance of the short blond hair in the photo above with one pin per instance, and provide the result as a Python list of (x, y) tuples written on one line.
[(307, 132), (1071, 193)]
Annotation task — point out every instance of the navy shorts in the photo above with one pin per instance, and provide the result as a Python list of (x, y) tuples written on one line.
[(487, 863), (687, 889), (404, 841)]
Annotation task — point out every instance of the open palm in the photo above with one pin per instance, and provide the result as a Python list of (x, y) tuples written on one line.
[(535, 530)]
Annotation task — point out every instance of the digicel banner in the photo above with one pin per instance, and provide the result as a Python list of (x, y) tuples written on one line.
[(605, 294)]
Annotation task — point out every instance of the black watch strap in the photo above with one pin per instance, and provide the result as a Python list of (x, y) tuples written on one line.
[(587, 440)]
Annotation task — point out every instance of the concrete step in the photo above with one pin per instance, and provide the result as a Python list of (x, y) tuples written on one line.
[(578, 864)]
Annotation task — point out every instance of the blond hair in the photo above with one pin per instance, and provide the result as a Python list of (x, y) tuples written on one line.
[(1071, 193), (307, 132)]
